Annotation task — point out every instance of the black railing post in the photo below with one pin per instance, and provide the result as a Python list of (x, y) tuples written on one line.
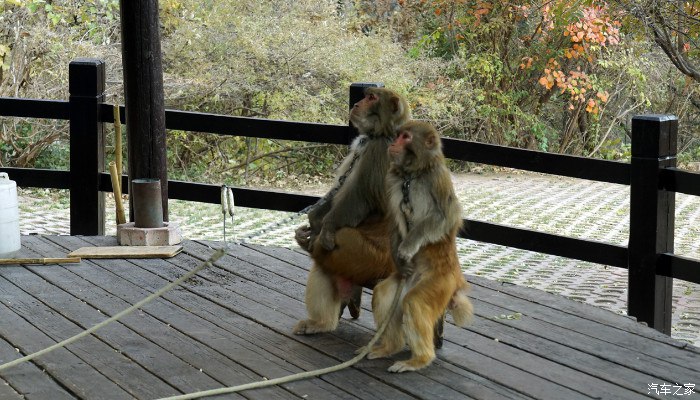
[(651, 219), (357, 92), (86, 87)]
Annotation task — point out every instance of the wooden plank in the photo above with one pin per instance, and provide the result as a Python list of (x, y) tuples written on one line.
[(559, 353), (256, 127), (237, 286), (40, 260), (633, 359), (283, 322), (551, 369), (577, 323), (420, 385), (249, 343), (569, 307), (263, 199), (8, 393), (203, 358), (126, 252), (27, 379), (572, 307), (211, 194), (107, 360), (537, 387), (158, 361), (243, 126), (651, 342), (300, 258), (71, 370)]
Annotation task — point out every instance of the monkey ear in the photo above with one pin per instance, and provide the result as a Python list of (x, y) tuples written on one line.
[(395, 104), (430, 141)]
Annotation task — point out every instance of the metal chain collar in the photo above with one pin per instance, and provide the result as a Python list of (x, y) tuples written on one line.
[(406, 207)]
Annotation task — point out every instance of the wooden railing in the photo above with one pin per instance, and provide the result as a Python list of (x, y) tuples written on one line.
[(652, 176)]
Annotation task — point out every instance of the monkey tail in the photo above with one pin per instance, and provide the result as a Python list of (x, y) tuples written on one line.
[(461, 307)]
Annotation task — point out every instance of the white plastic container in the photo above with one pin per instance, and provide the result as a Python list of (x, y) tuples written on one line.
[(9, 217)]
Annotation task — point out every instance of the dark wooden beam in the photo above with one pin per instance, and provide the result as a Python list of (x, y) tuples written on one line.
[(652, 219), (143, 89), (39, 178), (30, 108), (538, 161), (562, 246), (86, 87)]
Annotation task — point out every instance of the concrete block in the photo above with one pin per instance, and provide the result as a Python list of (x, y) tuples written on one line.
[(129, 235)]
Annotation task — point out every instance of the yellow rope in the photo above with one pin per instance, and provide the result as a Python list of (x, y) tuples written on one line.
[(218, 254), (301, 375), (227, 206)]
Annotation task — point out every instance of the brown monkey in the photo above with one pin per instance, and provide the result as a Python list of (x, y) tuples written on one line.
[(426, 216), (348, 236)]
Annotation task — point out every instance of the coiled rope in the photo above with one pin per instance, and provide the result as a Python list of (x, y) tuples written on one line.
[(218, 254), (227, 207), (301, 375)]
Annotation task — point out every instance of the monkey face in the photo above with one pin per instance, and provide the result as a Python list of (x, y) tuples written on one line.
[(416, 147), (364, 113), (400, 145), (380, 112)]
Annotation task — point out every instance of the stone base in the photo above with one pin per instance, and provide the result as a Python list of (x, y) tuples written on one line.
[(129, 235)]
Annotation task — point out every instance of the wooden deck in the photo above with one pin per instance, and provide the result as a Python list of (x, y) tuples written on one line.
[(231, 325)]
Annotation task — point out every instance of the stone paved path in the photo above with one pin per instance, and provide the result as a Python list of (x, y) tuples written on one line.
[(571, 207)]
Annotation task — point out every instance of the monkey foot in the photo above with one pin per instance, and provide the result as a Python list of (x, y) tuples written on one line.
[(327, 240), (309, 327), (381, 352), (354, 308), (360, 350), (409, 365)]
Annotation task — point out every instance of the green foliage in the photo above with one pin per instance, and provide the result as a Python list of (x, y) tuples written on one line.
[(474, 68)]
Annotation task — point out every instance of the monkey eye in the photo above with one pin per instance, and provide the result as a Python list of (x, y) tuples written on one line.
[(372, 97), (404, 136)]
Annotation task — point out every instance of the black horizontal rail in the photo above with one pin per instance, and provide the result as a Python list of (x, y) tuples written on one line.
[(680, 181), (456, 149), (208, 193), (244, 126), (259, 128), (31, 108), (40, 178), (678, 267), (252, 198), (670, 178), (538, 161), (525, 239)]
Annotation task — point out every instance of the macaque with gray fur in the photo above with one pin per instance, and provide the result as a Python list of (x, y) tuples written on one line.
[(348, 236)]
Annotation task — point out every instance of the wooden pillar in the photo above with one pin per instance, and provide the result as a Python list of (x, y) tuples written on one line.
[(86, 84), (652, 216), (143, 90)]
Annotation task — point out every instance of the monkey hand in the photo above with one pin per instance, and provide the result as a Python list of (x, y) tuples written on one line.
[(303, 237), (405, 263), (327, 239), (405, 267)]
